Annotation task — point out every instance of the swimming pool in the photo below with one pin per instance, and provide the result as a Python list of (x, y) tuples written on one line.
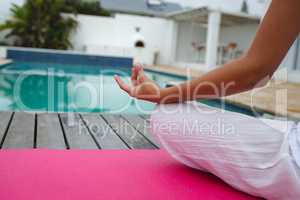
[(58, 81), (53, 87)]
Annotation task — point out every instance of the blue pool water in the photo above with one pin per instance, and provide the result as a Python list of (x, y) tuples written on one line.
[(33, 86), (54, 87)]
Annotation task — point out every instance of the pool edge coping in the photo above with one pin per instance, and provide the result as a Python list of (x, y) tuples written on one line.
[(4, 62)]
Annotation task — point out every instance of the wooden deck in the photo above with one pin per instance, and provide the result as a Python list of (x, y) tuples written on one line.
[(74, 131)]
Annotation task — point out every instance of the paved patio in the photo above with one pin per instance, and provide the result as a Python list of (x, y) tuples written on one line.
[(5, 61), (277, 98)]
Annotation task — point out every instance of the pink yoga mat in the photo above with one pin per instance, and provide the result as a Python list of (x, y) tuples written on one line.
[(79, 175)]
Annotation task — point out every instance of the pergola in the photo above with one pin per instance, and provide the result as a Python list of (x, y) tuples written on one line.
[(213, 19)]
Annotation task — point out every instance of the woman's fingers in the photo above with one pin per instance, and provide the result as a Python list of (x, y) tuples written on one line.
[(134, 74), (147, 91), (122, 84), (141, 76)]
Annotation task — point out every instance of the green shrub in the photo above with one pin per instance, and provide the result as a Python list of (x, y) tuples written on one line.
[(40, 24)]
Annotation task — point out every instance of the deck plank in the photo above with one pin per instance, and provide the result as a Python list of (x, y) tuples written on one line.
[(142, 126), (128, 133), (21, 131), (105, 136), (49, 132), (75, 131), (4, 121), (77, 134)]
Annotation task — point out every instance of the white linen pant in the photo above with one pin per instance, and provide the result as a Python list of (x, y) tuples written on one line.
[(253, 155)]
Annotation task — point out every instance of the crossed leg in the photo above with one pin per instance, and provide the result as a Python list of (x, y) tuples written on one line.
[(251, 154)]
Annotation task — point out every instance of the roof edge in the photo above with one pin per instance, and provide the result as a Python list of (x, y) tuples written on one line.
[(209, 9)]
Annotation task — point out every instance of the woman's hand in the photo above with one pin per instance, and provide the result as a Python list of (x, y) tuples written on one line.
[(142, 87)]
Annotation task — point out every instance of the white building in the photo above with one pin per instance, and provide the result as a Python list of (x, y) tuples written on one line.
[(201, 38), (208, 37)]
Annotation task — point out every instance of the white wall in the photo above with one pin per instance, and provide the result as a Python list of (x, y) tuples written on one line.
[(287, 71), (188, 33), (2, 52), (117, 34), (289, 60), (243, 35), (297, 56), (94, 30)]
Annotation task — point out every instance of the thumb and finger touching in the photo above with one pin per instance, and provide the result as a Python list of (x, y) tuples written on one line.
[(141, 76), (140, 87), (136, 76)]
